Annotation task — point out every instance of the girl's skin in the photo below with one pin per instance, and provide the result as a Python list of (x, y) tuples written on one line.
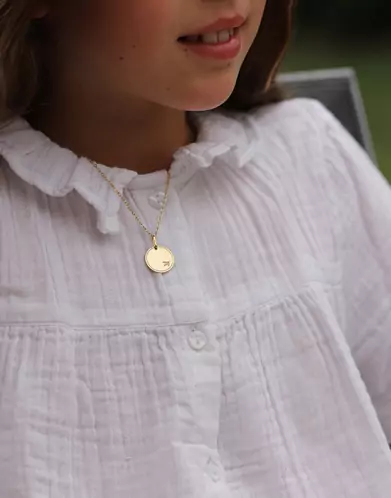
[(121, 82)]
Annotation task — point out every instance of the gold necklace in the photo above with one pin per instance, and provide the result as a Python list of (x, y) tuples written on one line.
[(158, 258)]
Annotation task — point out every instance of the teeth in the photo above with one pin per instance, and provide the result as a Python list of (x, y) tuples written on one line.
[(224, 36), (218, 37), (211, 38)]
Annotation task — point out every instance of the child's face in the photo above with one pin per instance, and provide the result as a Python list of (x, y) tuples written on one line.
[(131, 47)]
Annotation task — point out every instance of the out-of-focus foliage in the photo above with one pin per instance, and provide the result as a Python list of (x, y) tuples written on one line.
[(350, 33), (347, 17)]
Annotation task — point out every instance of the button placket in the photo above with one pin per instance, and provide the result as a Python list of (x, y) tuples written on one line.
[(200, 365)]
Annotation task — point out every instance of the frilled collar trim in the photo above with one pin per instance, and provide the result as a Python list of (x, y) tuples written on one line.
[(57, 171)]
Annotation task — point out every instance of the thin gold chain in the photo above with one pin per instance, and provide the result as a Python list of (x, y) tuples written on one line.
[(125, 201)]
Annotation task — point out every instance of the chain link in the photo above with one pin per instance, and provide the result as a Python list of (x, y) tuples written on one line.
[(125, 201)]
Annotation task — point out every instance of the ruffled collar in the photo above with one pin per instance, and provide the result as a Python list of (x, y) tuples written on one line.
[(57, 171)]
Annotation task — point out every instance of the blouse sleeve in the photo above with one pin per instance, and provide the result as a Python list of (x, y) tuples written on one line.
[(362, 222)]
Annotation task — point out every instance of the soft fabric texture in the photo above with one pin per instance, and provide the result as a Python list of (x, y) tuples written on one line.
[(259, 367)]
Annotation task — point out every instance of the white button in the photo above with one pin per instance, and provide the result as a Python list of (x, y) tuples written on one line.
[(197, 340), (156, 200), (213, 469)]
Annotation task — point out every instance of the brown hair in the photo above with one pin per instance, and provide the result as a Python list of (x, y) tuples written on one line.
[(18, 58), (21, 54), (256, 83)]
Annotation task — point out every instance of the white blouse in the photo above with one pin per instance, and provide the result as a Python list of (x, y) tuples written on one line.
[(259, 367)]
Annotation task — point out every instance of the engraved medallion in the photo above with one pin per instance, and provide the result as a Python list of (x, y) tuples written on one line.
[(159, 259)]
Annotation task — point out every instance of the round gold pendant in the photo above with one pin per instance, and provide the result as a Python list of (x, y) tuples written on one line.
[(159, 259)]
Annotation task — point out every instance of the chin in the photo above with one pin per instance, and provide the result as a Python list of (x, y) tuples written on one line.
[(205, 104), (208, 96)]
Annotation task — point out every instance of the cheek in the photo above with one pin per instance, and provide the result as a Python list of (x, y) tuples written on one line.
[(133, 24)]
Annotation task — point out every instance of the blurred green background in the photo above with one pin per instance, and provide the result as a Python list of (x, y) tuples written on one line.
[(350, 33)]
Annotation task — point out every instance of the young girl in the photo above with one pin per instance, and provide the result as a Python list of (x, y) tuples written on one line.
[(195, 280)]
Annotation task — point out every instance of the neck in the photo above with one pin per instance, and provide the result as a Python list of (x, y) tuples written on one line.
[(138, 136)]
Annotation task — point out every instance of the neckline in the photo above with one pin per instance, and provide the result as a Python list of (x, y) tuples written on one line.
[(57, 171)]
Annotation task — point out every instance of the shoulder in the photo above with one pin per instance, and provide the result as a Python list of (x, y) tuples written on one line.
[(291, 137), (306, 137), (295, 109), (292, 133), (313, 151), (306, 149), (291, 120)]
